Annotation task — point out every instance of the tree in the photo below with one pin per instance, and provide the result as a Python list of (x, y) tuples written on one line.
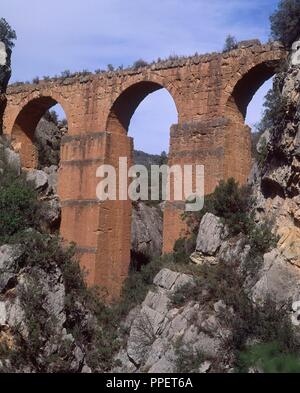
[(230, 43), (51, 116), (7, 34), (163, 159), (140, 63), (285, 22)]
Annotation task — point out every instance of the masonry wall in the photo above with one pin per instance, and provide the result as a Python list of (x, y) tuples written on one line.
[(209, 91)]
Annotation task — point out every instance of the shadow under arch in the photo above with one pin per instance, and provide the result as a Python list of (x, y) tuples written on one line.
[(238, 156), (248, 84), (127, 102), (24, 127)]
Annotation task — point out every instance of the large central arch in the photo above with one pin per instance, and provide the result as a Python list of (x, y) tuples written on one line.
[(127, 102), (119, 219)]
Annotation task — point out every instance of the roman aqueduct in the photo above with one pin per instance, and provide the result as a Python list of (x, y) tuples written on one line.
[(211, 93)]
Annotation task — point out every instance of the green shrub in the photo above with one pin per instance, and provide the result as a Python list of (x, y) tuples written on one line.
[(285, 22), (245, 320), (262, 155), (137, 285), (18, 206), (231, 203), (261, 238), (276, 108), (51, 116), (187, 293), (268, 358), (183, 248), (140, 63)]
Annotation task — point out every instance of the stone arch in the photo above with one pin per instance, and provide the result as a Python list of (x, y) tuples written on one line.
[(247, 85), (239, 93), (127, 102), (120, 145), (24, 125)]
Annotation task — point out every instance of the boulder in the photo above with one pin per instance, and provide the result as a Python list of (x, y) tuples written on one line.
[(289, 243), (234, 250), (50, 214), (52, 172), (278, 280), (170, 280), (211, 234), (9, 256), (275, 181), (199, 259), (146, 230), (38, 178)]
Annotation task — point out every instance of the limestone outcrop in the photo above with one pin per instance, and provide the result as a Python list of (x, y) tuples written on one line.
[(19, 288), (146, 231), (276, 182), (157, 326)]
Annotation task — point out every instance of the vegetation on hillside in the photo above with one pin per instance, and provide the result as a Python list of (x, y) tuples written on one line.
[(285, 22)]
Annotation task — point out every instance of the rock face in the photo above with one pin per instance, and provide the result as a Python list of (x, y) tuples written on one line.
[(276, 183), (156, 328), (146, 231), (278, 280), (20, 287), (48, 137), (210, 235)]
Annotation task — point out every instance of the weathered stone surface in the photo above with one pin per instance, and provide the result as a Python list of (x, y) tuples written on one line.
[(50, 214), (38, 178), (276, 180), (289, 244), (9, 256), (278, 280), (45, 284), (146, 231), (234, 250), (211, 234), (158, 328), (166, 279), (204, 367), (48, 137)]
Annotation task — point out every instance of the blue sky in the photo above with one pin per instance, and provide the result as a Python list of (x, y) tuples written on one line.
[(89, 34)]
